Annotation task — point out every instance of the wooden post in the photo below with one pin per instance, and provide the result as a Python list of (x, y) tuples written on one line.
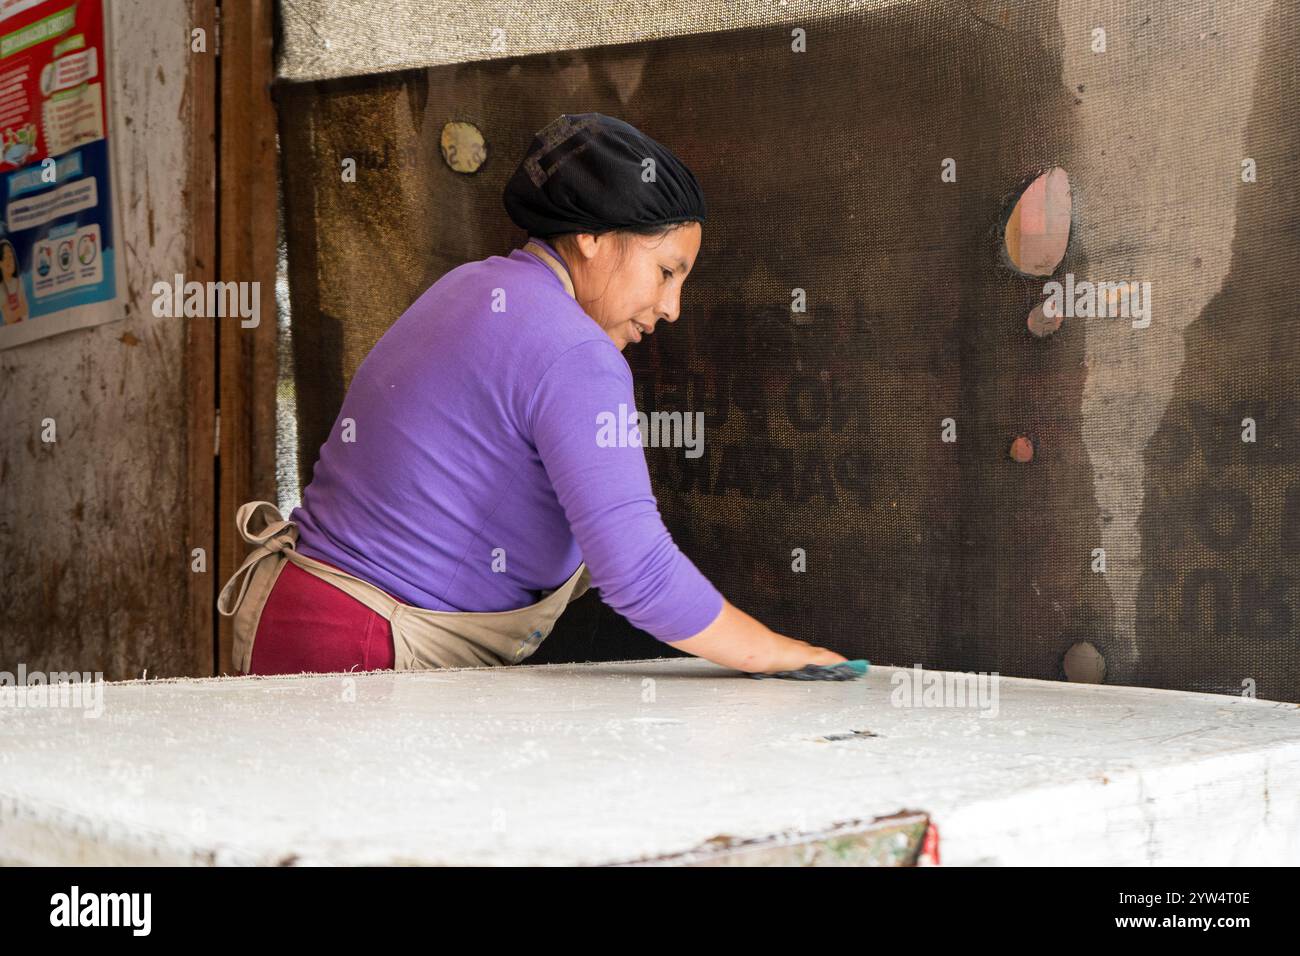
[(247, 199), (201, 340)]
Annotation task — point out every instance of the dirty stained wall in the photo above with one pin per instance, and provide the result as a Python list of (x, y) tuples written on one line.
[(821, 172), (94, 546)]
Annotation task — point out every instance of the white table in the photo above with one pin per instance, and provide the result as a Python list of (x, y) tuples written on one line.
[(667, 761)]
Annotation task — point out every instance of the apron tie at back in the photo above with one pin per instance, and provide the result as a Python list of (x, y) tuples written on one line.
[(276, 535)]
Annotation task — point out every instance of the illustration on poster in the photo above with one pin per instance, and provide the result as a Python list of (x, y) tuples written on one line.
[(13, 303), (17, 144)]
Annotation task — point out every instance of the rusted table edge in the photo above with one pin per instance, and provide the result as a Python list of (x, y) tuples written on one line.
[(898, 839)]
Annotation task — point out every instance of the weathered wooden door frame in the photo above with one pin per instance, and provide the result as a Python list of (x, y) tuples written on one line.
[(232, 369)]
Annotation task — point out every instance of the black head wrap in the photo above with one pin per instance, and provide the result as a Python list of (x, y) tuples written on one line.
[(584, 173)]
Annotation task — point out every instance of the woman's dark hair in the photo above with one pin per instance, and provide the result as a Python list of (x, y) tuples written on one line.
[(654, 230)]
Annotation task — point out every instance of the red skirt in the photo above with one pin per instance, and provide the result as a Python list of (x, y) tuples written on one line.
[(309, 625)]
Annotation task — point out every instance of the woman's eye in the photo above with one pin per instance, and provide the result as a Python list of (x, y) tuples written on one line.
[(667, 272)]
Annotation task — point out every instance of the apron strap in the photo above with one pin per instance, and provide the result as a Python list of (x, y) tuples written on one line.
[(555, 265), (276, 535)]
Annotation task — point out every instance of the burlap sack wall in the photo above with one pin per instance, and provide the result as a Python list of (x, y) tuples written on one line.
[(822, 172)]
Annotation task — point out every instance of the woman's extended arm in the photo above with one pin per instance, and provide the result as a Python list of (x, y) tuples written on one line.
[(605, 492)]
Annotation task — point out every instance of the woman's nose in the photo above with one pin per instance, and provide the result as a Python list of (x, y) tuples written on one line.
[(670, 309)]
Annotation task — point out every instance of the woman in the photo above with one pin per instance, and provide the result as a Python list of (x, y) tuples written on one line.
[(463, 493), (13, 302)]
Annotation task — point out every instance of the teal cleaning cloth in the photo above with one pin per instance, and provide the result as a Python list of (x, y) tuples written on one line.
[(848, 670)]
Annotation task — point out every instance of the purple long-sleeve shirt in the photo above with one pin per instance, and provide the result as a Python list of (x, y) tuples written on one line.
[(468, 442)]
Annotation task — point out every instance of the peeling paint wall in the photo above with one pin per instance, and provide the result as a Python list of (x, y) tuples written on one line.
[(93, 538)]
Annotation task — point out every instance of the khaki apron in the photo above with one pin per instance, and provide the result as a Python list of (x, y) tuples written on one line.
[(422, 639)]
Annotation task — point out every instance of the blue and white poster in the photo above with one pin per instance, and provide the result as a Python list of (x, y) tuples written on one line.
[(59, 266)]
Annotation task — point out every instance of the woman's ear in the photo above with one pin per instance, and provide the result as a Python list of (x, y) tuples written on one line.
[(587, 244)]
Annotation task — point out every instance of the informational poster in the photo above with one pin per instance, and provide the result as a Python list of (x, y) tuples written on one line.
[(58, 268)]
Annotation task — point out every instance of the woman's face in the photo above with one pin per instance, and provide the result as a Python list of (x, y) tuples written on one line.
[(629, 289)]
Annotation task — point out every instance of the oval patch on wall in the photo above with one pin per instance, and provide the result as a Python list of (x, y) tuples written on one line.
[(463, 147), (1038, 228)]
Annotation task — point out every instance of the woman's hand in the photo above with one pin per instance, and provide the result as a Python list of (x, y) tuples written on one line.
[(736, 640), (795, 654)]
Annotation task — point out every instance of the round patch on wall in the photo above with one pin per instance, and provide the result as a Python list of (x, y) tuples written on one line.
[(1083, 664), (463, 147)]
